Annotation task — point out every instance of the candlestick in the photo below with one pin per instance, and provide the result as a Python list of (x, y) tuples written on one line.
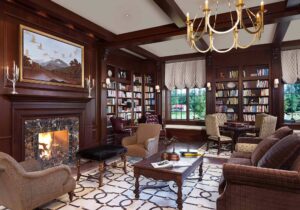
[(90, 85), (15, 76)]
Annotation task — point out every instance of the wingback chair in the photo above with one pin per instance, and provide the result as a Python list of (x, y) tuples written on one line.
[(221, 118), (268, 126), (23, 186), (144, 142), (213, 132)]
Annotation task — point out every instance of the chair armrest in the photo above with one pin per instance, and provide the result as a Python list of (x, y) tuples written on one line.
[(31, 165), (262, 177), (151, 144), (129, 140), (249, 140)]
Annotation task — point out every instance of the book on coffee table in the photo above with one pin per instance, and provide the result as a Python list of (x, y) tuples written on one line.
[(170, 164)]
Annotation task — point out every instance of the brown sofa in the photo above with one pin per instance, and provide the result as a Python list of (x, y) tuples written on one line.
[(266, 179)]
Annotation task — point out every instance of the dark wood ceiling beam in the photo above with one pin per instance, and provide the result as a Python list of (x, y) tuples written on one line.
[(182, 57), (144, 53), (282, 27), (275, 13), (173, 11)]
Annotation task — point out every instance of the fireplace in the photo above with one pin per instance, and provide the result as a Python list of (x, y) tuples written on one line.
[(52, 141)]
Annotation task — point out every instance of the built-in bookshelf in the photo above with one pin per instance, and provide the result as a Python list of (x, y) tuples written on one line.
[(137, 96), (242, 93), (149, 94), (227, 92), (256, 91)]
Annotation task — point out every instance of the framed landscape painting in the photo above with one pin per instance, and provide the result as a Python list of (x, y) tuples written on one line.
[(47, 59)]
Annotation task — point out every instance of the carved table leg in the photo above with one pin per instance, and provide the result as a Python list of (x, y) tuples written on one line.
[(78, 169), (179, 195), (201, 171), (123, 157), (137, 186), (101, 173)]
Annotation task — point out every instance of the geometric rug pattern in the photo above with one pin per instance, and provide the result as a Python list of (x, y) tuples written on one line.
[(117, 192)]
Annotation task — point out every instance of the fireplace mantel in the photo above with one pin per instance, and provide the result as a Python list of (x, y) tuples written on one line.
[(43, 98)]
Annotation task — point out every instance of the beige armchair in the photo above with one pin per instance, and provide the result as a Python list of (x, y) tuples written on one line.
[(144, 142), (24, 186)]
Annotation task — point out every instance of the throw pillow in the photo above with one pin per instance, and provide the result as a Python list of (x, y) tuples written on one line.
[(281, 153), (282, 132), (152, 119)]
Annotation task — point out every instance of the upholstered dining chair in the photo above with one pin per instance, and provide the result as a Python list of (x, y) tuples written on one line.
[(144, 142), (258, 124), (119, 132), (24, 186), (221, 118), (213, 133)]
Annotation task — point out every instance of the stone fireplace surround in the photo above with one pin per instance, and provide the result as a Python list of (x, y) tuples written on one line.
[(28, 108)]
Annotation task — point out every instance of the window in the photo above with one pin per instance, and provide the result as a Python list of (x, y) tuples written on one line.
[(188, 104), (292, 103)]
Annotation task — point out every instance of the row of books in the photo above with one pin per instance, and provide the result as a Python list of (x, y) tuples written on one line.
[(137, 102), (124, 109), (222, 86), (260, 100), (256, 84), (110, 101), (249, 117), (258, 73), (149, 95), (149, 89), (137, 79), (124, 87), (137, 109), (110, 109), (137, 95), (224, 108), (234, 74), (111, 93), (137, 88), (232, 101), (150, 102), (125, 116), (137, 115), (262, 92), (124, 102), (232, 116), (256, 108), (227, 93), (122, 94), (111, 85)]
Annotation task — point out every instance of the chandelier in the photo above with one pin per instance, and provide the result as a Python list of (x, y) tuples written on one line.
[(204, 26)]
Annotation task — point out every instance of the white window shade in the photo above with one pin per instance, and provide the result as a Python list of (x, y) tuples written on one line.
[(187, 74), (290, 64)]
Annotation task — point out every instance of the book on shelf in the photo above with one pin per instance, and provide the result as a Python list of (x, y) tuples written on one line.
[(110, 109), (256, 84), (256, 100), (249, 117), (110, 101), (126, 116), (258, 73), (234, 74), (111, 85), (262, 92), (227, 93), (228, 101), (224, 108), (137, 115), (111, 93), (124, 87), (232, 116), (256, 108), (148, 79), (149, 89), (137, 95), (150, 102), (149, 95), (137, 88)]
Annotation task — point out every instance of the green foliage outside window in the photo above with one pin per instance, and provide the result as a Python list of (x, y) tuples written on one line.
[(292, 103), (194, 98)]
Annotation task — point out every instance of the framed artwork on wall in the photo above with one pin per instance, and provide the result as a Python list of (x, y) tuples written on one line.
[(47, 59)]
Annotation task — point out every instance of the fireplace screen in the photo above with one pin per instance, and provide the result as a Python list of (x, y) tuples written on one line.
[(54, 144)]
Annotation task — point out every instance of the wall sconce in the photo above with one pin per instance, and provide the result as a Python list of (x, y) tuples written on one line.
[(157, 88), (276, 83), (208, 86), (106, 83)]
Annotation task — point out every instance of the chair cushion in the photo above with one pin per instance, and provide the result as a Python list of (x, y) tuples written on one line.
[(244, 147), (280, 155), (268, 142), (222, 138), (240, 161), (246, 155), (101, 153)]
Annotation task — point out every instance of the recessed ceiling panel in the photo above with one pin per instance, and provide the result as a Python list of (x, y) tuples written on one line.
[(225, 41), (293, 32), (195, 7), (169, 48), (118, 16)]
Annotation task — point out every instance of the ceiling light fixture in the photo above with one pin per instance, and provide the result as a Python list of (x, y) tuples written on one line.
[(204, 27)]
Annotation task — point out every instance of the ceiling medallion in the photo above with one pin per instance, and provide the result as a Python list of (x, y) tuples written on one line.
[(204, 26)]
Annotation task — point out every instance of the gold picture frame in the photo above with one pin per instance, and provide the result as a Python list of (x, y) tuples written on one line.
[(50, 60)]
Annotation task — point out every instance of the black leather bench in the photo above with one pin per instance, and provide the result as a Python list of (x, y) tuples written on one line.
[(101, 154)]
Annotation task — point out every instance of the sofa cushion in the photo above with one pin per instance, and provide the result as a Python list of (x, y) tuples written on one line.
[(279, 156), (268, 142), (296, 164), (246, 155), (240, 161)]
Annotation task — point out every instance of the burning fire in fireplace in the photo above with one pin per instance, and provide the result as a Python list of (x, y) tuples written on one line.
[(54, 144)]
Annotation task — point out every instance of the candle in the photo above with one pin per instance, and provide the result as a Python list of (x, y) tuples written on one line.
[(206, 5), (187, 17), (240, 2), (262, 6), (7, 70), (93, 82)]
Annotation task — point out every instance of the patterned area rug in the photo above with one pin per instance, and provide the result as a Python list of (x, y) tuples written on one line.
[(117, 193), (213, 151)]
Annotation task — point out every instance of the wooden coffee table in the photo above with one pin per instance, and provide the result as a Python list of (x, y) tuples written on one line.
[(178, 175)]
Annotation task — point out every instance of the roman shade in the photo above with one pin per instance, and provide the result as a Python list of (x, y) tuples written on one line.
[(188, 74), (290, 63)]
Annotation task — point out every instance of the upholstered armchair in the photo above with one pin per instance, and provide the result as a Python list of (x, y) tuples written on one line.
[(144, 142), (213, 132), (221, 118), (25, 186)]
